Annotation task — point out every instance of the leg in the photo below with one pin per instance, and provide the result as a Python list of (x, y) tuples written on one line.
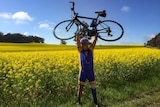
[(81, 81), (93, 89), (80, 89), (92, 82)]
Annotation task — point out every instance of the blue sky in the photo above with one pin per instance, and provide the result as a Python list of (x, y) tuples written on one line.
[(140, 18)]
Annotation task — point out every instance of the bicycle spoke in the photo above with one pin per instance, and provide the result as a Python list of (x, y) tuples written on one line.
[(110, 30), (65, 30)]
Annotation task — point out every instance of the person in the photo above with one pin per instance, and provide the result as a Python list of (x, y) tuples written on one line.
[(87, 66)]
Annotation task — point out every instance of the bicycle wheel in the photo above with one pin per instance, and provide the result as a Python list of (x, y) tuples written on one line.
[(65, 30), (110, 30)]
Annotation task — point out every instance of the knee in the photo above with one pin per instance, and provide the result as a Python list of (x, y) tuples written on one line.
[(80, 82), (80, 85), (93, 86)]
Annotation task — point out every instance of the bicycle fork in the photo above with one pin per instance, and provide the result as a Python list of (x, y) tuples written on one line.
[(69, 26)]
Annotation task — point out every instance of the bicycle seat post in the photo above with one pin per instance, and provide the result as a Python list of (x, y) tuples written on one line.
[(97, 16)]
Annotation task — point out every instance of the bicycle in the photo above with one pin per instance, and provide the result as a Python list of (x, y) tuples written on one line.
[(107, 30)]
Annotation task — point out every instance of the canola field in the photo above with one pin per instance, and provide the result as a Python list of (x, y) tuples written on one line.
[(49, 78)]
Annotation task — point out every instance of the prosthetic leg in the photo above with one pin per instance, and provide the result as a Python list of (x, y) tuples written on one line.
[(93, 90)]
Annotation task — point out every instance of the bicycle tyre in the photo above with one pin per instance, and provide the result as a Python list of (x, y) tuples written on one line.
[(116, 30), (60, 31)]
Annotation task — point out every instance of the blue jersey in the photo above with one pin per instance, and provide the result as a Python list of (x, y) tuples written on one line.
[(86, 59)]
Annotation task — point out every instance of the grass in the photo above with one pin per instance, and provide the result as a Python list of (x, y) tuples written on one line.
[(145, 92), (141, 94)]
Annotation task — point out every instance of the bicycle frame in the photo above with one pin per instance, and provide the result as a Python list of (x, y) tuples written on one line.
[(76, 20)]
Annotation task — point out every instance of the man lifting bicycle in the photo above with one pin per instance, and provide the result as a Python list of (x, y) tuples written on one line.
[(87, 66)]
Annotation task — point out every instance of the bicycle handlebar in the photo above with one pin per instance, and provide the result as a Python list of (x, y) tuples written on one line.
[(100, 13), (72, 8)]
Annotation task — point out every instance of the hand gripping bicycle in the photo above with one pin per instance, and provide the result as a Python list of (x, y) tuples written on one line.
[(107, 30)]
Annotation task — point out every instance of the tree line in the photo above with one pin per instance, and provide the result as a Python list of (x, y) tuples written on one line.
[(20, 38), (154, 42)]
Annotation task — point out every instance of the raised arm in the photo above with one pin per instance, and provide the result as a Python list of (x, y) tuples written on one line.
[(78, 40), (94, 41)]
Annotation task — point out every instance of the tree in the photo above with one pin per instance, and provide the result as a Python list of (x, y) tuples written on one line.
[(155, 42), (1, 33), (2, 37), (20, 38)]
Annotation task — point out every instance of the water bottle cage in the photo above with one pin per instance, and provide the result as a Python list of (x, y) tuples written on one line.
[(93, 23)]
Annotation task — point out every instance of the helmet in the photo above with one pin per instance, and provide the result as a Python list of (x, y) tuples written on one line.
[(84, 40)]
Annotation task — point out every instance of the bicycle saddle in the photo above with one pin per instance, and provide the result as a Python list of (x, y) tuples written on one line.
[(101, 13)]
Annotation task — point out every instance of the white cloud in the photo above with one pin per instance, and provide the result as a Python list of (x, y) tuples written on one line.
[(25, 33), (5, 15), (125, 8), (19, 17), (45, 26)]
